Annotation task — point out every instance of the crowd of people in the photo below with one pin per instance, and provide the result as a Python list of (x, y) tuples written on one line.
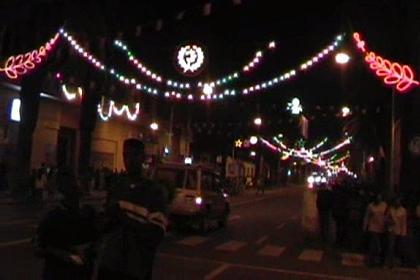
[(117, 243), (356, 217)]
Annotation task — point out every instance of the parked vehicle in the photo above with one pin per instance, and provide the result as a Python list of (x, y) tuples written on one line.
[(199, 197)]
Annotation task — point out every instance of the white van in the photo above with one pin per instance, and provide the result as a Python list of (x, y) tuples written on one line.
[(199, 198)]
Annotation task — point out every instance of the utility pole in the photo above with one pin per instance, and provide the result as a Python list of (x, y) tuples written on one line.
[(171, 124), (392, 145)]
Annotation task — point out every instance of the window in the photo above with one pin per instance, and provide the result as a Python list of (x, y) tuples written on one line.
[(191, 180), (172, 178), (207, 182), (211, 182)]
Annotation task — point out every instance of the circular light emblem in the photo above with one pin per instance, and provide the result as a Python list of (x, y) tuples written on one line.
[(190, 59)]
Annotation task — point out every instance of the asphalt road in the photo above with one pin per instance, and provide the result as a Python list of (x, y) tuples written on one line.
[(263, 240)]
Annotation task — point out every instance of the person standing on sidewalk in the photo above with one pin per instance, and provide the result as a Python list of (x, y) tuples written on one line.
[(417, 231), (260, 185), (324, 205), (136, 212), (397, 230), (374, 224)]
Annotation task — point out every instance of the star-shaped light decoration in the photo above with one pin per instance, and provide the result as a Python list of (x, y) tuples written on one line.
[(238, 143)]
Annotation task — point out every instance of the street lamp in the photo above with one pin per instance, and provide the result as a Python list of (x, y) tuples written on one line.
[(342, 58), (258, 121), (154, 126), (253, 140)]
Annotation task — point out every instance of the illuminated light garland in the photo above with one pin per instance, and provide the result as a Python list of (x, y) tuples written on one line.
[(319, 145), (146, 71), (18, 65), (128, 81), (291, 73), (308, 154), (337, 147), (180, 85), (392, 73), (269, 145), (113, 109), (339, 160), (70, 96)]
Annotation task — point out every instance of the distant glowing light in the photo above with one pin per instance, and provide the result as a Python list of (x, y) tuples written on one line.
[(154, 126), (253, 140), (311, 179), (252, 153), (258, 121), (371, 159), (342, 58), (188, 160), (345, 111), (207, 89)]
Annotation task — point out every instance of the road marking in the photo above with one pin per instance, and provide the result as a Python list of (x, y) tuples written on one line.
[(261, 268), (15, 242), (192, 240), (280, 226), (311, 255), (271, 251), (216, 272), (349, 259), (231, 246), (236, 217), (261, 240)]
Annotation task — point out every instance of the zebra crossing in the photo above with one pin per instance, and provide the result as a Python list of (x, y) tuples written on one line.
[(265, 249)]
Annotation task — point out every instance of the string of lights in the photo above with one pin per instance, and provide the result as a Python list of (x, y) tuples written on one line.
[(144, 70), (291, 73)]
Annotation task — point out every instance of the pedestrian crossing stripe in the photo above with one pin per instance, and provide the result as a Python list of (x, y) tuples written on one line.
[(192, 240), (311, 255), (231, 246), (271, 251)]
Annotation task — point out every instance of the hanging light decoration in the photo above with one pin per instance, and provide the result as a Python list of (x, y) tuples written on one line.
[(113, 109), (401, 77), (71, 96), (18, 65)]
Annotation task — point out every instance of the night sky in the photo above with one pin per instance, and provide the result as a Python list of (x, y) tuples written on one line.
[(231, 35)]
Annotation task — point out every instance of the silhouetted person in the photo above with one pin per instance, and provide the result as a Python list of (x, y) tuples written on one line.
[(324, 202), (374, 224), (136, 213), (63, 234), (396, 217)]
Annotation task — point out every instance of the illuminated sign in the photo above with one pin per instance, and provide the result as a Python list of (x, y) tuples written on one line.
[(15, 111)]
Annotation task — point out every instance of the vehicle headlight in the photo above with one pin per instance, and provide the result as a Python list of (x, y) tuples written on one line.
[(198, 200)]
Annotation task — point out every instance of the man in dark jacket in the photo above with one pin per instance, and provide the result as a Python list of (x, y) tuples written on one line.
[(324, 205), (63, 236), (136, 213)]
